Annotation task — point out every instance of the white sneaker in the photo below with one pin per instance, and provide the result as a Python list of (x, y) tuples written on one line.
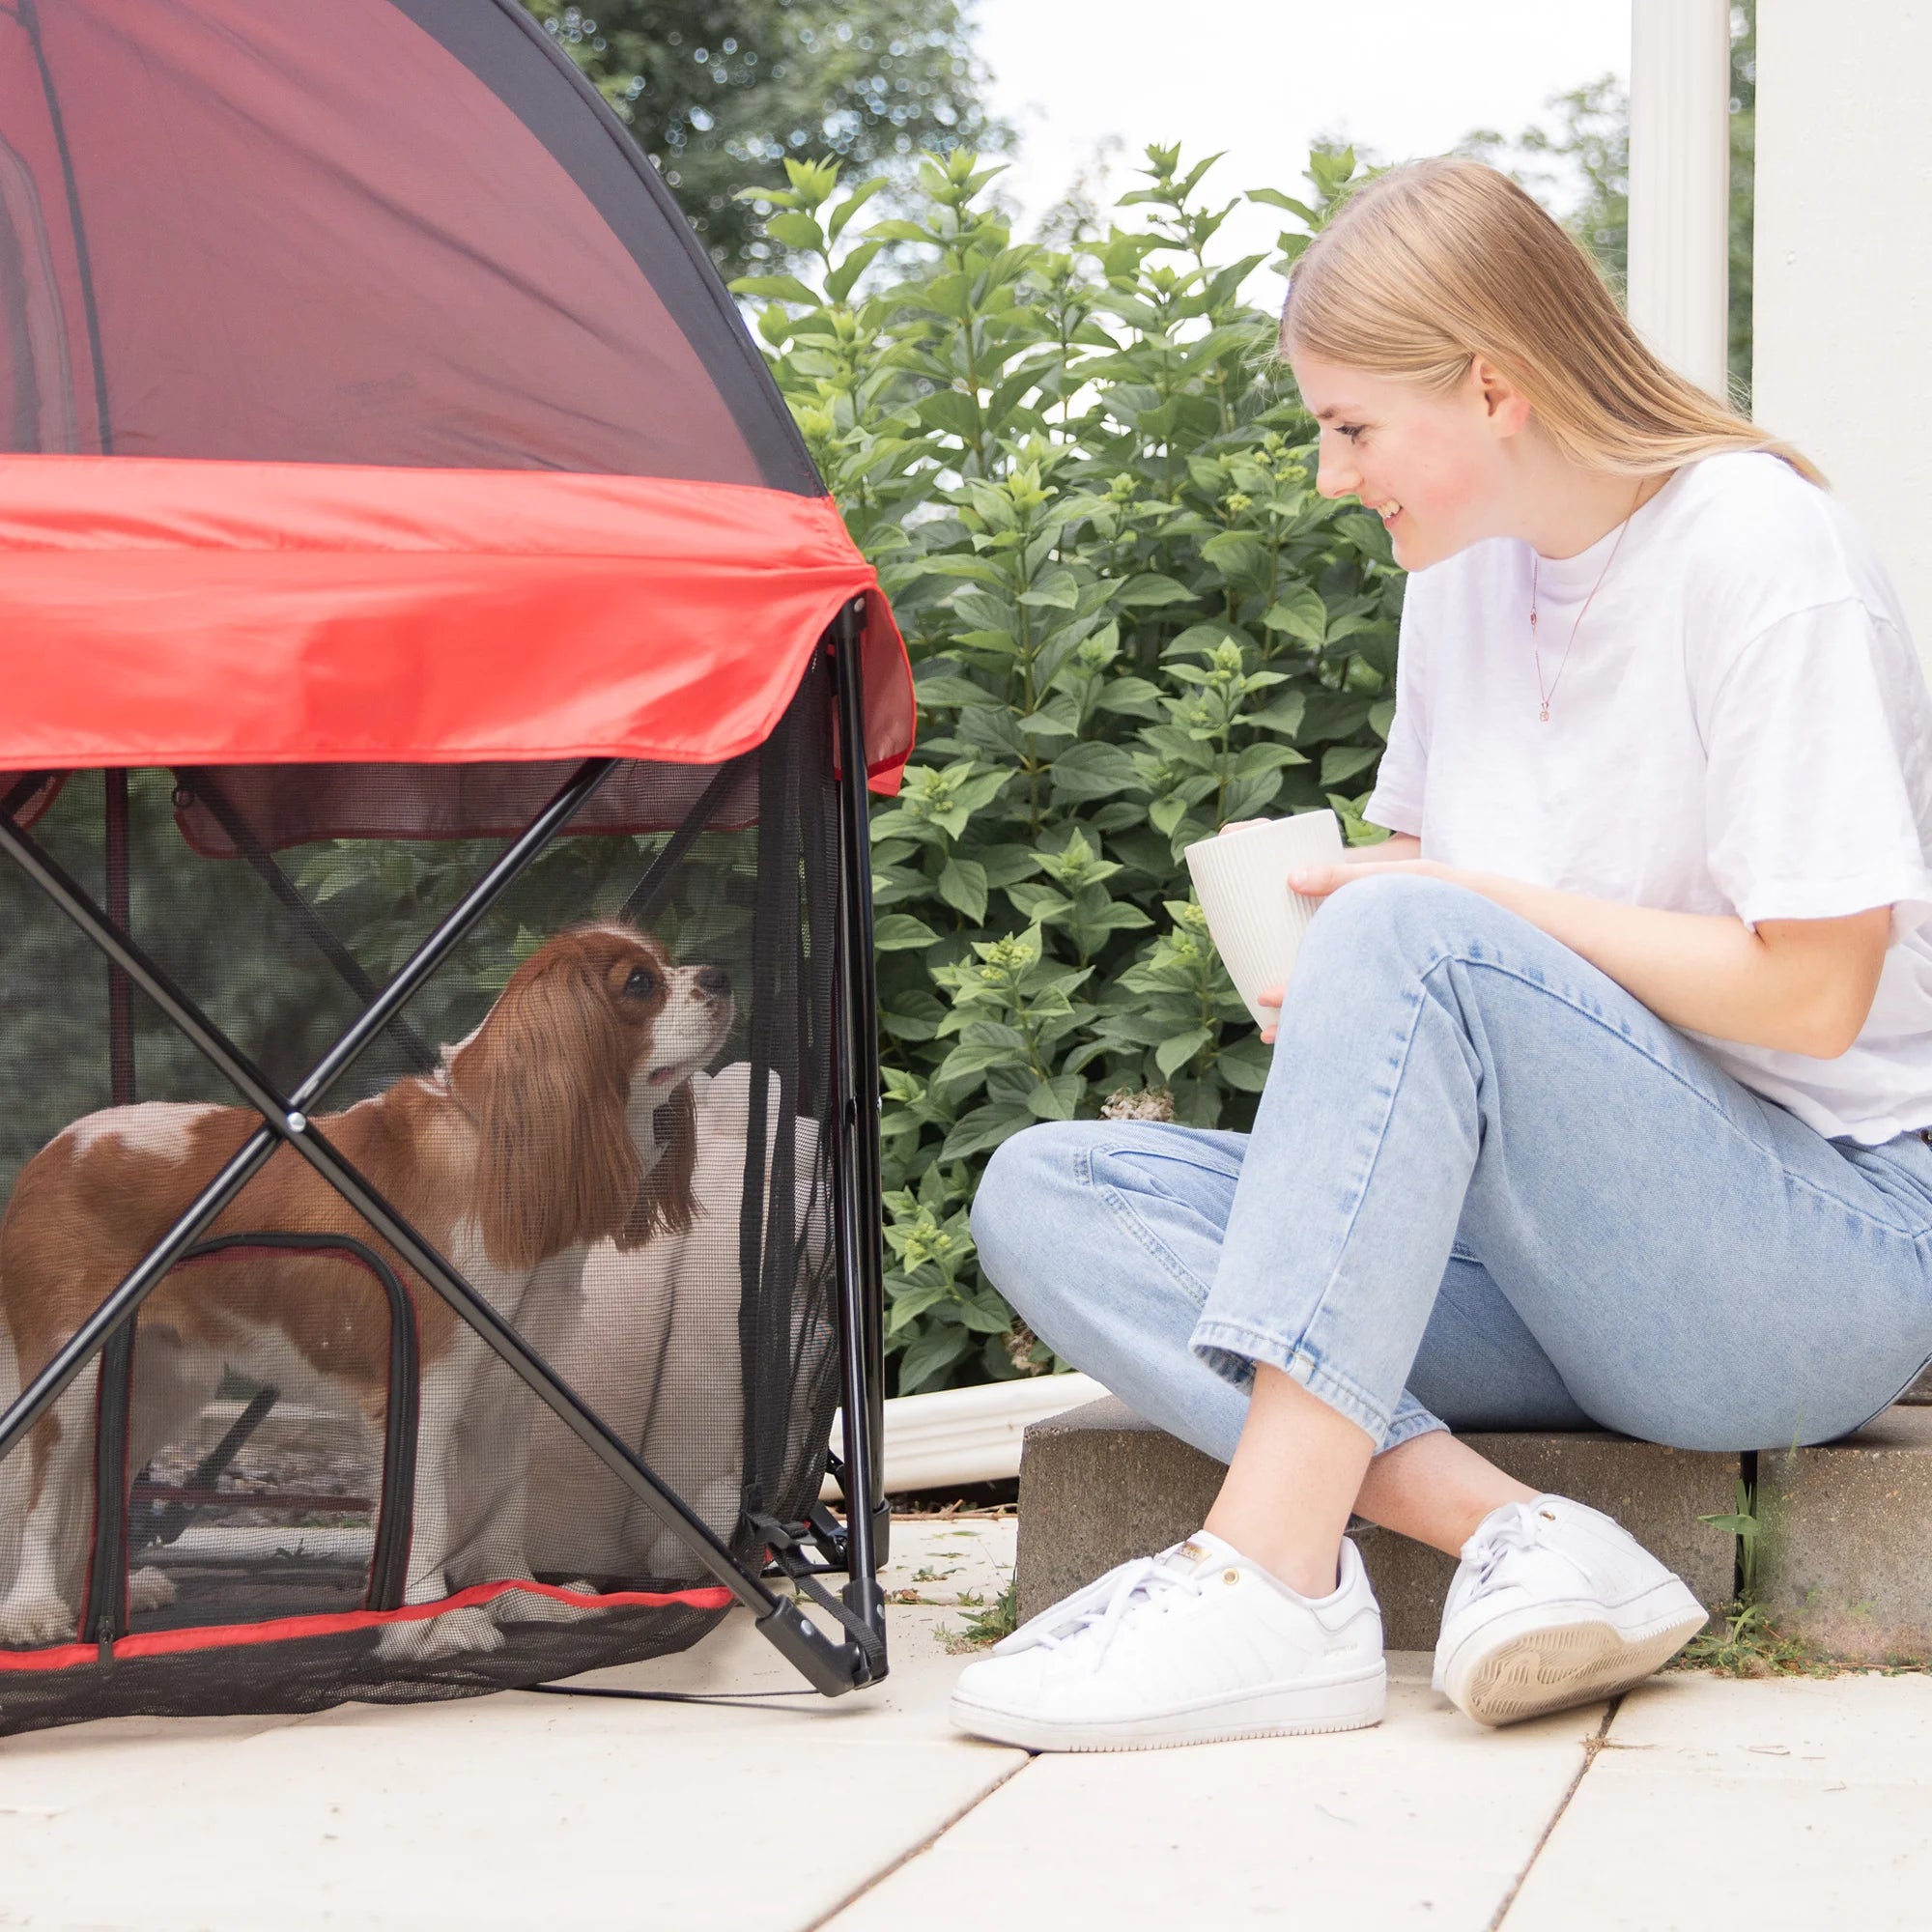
[(1193, 1644), (1555, 1604)]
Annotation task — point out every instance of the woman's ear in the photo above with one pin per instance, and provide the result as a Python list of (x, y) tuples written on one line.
[(1505, 408), (667, 1201), (545, 1079)]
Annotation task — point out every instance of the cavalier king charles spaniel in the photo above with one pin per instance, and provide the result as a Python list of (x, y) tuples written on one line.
[(565, 1119)]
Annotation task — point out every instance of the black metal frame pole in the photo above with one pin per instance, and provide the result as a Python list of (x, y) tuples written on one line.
[(861, 1277), (830, 1666), (147, 1275), (118, 843), (104, 1592), (644, 895), (21, 791)]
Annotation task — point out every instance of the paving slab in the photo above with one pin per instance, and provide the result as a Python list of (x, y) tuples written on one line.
[(1100, 1485), (510, 1811), (1845, 1553), (1784, 1804), (1426, 1820), (950, 1559)]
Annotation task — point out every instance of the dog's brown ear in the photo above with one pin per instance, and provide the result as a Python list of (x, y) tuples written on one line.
[(544, 1077), (666, 1203)]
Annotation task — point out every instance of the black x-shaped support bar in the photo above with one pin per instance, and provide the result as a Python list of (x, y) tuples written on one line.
[(830, 1666)]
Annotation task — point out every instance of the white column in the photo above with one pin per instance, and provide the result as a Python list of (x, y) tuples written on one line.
[(1679, 182), (1842, 277)]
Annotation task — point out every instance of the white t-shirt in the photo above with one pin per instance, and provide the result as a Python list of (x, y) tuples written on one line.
[(1742, 727)]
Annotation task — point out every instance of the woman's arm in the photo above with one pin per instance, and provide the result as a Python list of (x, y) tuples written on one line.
[(1803, 985), (1397, 845)]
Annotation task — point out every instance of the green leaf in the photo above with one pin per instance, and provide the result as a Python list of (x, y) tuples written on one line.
[(1300, 614), (1039, 904), (1180, 1048), (952, 411), (931, 1356), (852, 204), (900, 932), (951, 691), (1203, 638), (1237, 554), (1058, 1098), (839, 281), (1245, 1065), (794, 230), (983, 1129), (1274, 198), (1151, 590), (1341, 762), (1057, 589), (1092, 770), (962, 883), (782, 288)]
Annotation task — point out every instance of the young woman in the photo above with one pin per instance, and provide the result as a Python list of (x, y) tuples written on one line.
[(1599, 1091)]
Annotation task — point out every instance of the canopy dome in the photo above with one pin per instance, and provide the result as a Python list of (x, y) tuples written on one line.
[(364, 395)]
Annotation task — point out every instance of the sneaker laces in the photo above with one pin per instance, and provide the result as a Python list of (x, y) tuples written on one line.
[(1524, 1527), (1100, 1619)]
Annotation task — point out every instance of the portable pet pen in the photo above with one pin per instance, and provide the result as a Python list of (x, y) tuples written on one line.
[(438, 1067)]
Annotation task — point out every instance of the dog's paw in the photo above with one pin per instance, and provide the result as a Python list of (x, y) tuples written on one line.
[(532, 1607), (25, 1621), (473, 1630), (150, 1589)]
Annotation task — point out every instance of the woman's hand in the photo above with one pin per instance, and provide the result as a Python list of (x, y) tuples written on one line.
[(1270, 997), (1317, 882)]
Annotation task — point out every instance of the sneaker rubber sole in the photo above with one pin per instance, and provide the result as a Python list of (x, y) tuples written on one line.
[(1539, 1660), (1338, 1704)]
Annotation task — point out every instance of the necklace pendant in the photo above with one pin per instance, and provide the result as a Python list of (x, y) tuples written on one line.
[(1543, 714)]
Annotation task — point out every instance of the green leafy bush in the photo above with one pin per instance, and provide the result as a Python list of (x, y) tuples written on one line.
[(1089, 493)]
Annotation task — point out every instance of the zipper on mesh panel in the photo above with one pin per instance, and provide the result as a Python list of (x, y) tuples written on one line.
[(396, 1507)]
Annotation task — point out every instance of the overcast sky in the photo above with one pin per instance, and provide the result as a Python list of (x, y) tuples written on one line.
[(1261, 79)]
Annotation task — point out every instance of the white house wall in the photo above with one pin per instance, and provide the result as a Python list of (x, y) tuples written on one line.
[(1842, 356)]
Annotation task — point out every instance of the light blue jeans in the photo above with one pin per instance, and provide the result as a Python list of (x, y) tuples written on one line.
[(1487, 1188)]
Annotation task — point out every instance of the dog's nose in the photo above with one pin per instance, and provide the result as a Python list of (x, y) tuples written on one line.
[(715, 980)]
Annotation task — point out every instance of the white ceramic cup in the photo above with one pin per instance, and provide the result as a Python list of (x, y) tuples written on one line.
[(1241, 880)]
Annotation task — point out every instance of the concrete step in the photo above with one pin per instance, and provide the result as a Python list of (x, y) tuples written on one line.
[(1845, 1551), (1098, 1485)]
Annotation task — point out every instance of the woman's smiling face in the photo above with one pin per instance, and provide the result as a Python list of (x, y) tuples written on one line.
[(1432, 466)]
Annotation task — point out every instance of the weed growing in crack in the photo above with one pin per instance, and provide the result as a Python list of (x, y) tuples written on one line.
[(985, 1623)]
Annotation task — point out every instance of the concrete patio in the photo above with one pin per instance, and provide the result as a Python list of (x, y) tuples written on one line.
[(1695, 1803)]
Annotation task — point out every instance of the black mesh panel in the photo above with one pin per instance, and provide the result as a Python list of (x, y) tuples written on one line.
[(610, 1109)]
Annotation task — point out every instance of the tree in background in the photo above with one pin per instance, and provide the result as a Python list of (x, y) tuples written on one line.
[(1591, 140), (720, 92)]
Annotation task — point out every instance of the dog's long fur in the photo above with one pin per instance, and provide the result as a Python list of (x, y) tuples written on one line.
[(566, 1119)]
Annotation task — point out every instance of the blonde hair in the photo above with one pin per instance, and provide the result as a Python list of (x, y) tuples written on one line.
[(1429, 266)]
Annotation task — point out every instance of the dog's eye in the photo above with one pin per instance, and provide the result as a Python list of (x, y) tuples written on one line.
[(642, 983)]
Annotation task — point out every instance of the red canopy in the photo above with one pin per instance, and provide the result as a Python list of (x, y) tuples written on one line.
[(364, 397)]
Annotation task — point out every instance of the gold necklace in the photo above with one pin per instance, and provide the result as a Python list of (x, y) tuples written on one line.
[(1546, 695)]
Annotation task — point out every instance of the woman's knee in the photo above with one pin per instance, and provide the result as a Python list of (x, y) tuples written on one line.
[(1389, 927), (1405, 918), (1022, 1190)]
